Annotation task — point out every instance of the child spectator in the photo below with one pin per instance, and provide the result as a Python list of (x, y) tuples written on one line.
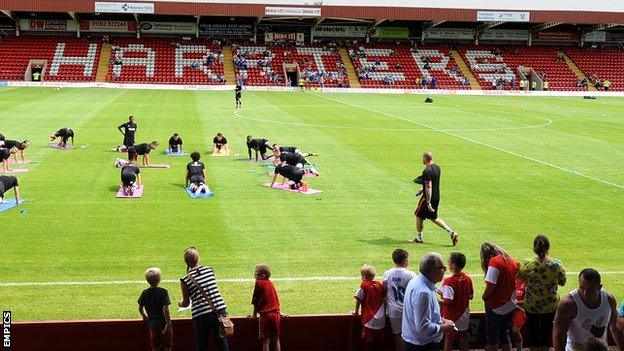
[(370, 296), (154, 307), (266, 303), (457, 291), (395, 282), (519, 316)]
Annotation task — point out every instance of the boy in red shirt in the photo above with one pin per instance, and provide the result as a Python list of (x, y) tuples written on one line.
[(370, 296), (266, 303), (519, 316), (457, 291)]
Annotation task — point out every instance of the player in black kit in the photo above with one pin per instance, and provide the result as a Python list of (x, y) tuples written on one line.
[(141, 149), (175, 144), (430, 199), (130, 176), (196, 175), (292, 173), (6, 183), (258, 145), (220, 144), (128, 130), (238, 93), (64, 134)]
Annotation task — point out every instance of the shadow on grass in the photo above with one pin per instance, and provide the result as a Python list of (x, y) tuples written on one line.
[(385, 241), (113, 188), (177, 185)]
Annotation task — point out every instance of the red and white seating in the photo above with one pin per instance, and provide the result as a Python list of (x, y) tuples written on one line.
[(263, 65), (68, 59), (488, 66), (605, 63), (392, 66), (163, 61)]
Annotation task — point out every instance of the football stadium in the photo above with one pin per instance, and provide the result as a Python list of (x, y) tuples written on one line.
[(311, 175)]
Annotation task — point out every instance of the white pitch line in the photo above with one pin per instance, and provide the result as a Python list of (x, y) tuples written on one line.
[(479, 143), (225, 280)]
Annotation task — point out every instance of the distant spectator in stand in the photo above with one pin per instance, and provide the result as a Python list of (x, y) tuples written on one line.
[(423, 325), (204, 313), (533, 84), (395, 282), (266, 303), (434, 82), (606, 84), (457, 291), (370, 297), (584, 313), (545, 85), (522, 85), (543, 275), (154, 308), (499, 296)]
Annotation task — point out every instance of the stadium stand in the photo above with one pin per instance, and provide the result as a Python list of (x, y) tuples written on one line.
[(67, 59), (604, 64), (491, 63), (166, 61), (261, 65), (390, 66)]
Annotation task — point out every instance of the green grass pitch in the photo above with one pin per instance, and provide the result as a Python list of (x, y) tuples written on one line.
[(512, 167)]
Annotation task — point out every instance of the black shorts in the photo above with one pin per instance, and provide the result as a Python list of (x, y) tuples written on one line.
[(537, 323), (197, 180), (128, 142), (238, 97), (128, 179), (2, 190), (174, 148), (297, 177), (132, 154), (423, 212)]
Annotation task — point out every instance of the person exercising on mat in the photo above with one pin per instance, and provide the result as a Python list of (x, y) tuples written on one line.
[(292, 173), (220, 144), (130, 176), (20, 145), (141, 149), (64, 134), (258, 145), (293, 149), (6, 183), (175, 144), (4, 157), (196, 175)]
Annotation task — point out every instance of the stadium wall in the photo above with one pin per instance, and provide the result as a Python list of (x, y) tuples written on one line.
[(61, 85)]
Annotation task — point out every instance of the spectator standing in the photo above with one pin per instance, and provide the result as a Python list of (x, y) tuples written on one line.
[(266, 303), (499, 295), (154, 308), (205, 314), (457, 291), (423, 325), (370, 297), (584, 313), (395, 282), (543, 275)]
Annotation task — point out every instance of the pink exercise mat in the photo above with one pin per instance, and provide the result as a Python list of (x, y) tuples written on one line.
[(18, 162), (16, 170), (138, 193), (287, 188)]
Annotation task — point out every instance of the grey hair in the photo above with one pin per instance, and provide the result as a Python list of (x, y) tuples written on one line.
[(429, 262)]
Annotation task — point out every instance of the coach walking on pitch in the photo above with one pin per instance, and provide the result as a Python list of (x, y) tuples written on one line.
[(428, 204)]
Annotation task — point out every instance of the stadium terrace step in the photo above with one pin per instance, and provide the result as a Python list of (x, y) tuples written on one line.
[(474, 83), (228, 68), (102, 70), (354, 82), (579, 74)]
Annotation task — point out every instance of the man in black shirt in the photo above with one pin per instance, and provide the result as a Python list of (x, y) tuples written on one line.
[(196, 175), (175, 144), (6, 183), (19, 145), (129, 128), (258, 145), (141, 149), (64, 134), (130, 175), (428, 204), (4, 157), (292, 173), (237, 91), (220, 144)]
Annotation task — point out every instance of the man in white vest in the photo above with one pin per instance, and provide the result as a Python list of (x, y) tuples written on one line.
[(585, 312)]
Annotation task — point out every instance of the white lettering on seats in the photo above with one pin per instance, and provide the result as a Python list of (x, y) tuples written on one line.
[(437, 62), (200, 53), (60, 59), (149, 61), (488, 66)]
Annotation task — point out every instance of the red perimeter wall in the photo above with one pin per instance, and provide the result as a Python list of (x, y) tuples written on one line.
[(300, 333)]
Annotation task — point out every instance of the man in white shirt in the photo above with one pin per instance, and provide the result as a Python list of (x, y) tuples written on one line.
[(395, 281), (423, 325)]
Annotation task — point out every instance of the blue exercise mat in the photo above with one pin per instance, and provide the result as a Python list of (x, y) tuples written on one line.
[(200, 196), (166, 152), (10, 204)]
